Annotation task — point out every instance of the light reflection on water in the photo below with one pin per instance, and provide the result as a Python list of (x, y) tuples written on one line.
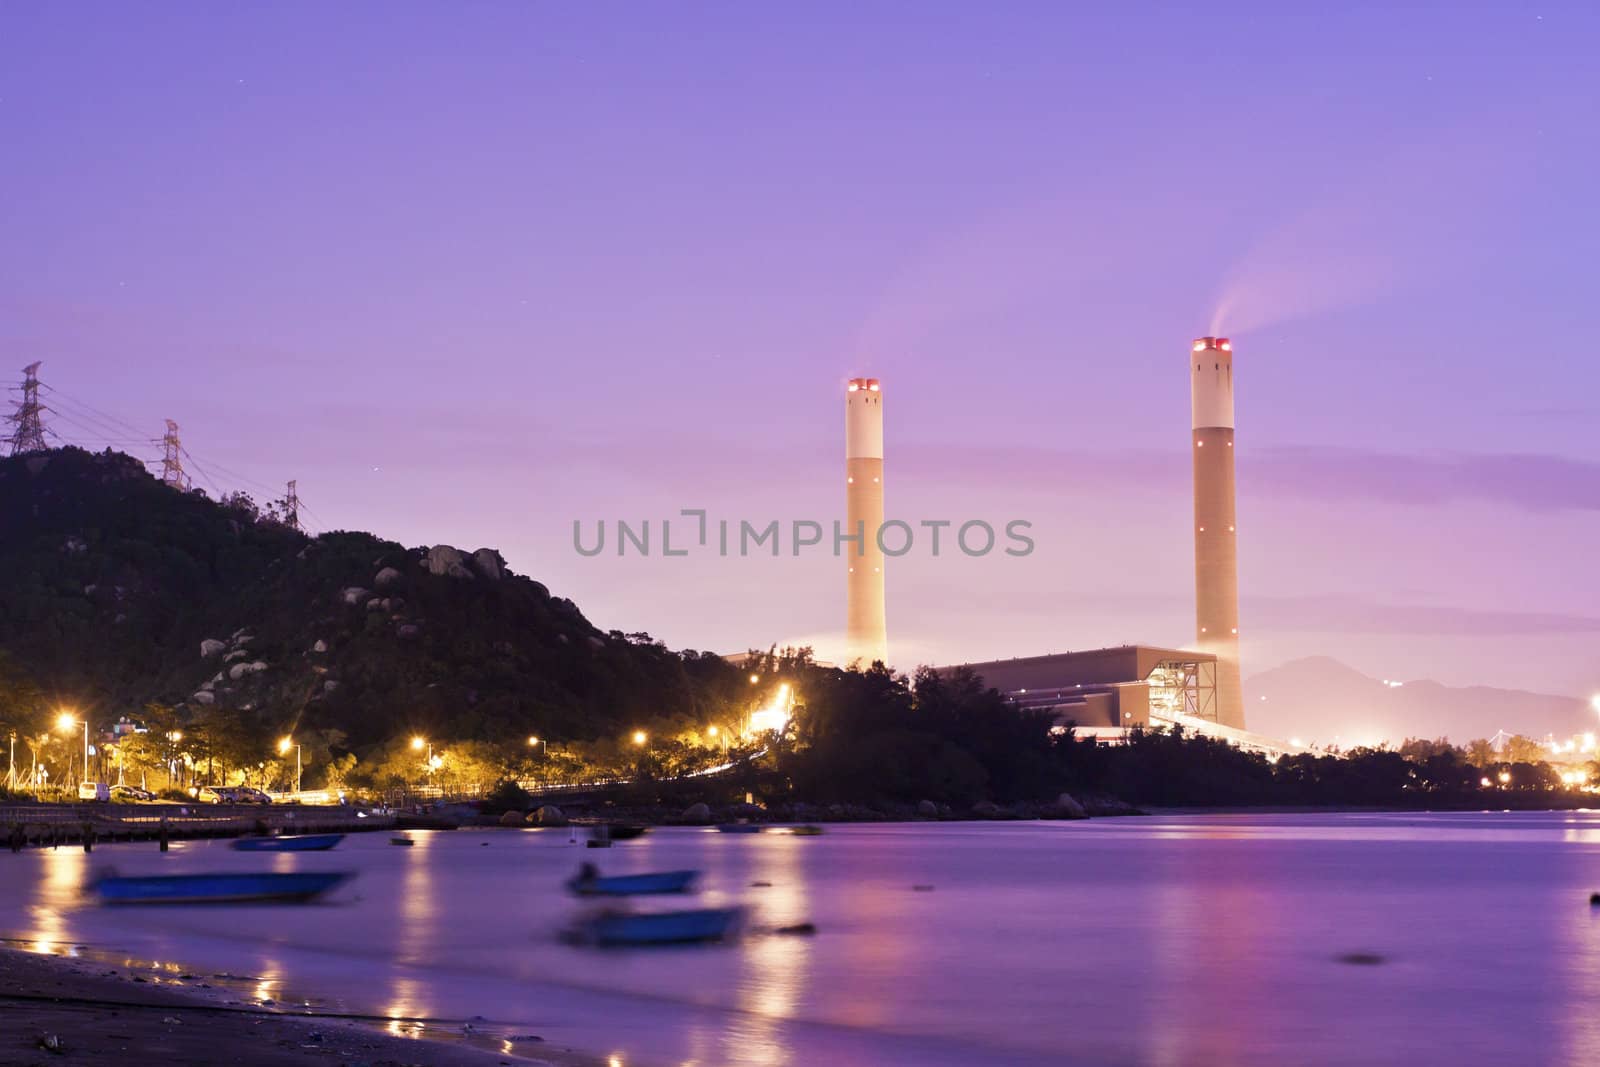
[(60, 893), (1170, 940)]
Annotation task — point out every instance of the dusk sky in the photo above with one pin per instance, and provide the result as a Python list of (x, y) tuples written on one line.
[(471, 279)]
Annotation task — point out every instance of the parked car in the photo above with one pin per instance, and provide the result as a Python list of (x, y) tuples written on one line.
[(248, 795), (93, 791), (214, 794), (130, 792)]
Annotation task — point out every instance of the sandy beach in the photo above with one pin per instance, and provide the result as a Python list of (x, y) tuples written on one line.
[(95, 1017)]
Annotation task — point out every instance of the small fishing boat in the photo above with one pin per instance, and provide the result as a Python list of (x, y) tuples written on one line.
[(590, 883), (302, 843), (627, 831), (805, 831), (402, 840), (740, 827), (660, 928), (294, 887)]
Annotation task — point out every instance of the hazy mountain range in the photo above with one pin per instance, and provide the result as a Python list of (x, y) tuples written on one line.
[(1320, 700)]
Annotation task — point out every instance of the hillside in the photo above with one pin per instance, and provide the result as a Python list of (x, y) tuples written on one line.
[(1318, 699), (118, 590)]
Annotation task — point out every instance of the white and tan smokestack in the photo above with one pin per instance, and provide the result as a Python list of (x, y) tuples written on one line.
[(866, 634), (1216, 557)]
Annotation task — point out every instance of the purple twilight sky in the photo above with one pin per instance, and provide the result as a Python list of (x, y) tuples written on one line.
[(471, 272)]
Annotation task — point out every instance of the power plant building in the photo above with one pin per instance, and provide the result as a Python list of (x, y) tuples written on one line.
[(1105, 692), (866, 630)]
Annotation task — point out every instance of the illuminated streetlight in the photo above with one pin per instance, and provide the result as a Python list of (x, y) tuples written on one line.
[(712, 731), (1505, 777), (754, 678), (283, 750), (417, 744), (536, 740), (640, 737), (65, 722)]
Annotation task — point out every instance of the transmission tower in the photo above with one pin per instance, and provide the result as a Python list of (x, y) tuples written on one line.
[(291, 508), (29, 433), (172, 459)]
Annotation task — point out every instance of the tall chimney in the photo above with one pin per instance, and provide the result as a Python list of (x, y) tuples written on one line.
[(866, 637), (1216, 557)]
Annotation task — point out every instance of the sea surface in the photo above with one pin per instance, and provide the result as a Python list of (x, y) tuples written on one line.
[(1194, 939)]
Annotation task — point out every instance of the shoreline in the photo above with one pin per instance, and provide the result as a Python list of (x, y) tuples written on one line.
[(105, 1016)]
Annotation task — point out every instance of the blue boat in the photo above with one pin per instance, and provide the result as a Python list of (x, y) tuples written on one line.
[(614, 929), (303, 843), (295, 887), (590, 883), (740, 827)]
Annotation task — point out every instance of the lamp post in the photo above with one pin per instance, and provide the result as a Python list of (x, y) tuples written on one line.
[(536, 741), (65, 722), (283, 750)]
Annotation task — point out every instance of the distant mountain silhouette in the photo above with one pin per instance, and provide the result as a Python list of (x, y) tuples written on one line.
[(1318, 699)]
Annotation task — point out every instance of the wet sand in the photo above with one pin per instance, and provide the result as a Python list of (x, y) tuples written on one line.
[(122, 1018)]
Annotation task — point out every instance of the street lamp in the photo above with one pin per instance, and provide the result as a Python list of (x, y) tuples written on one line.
[(420, 743), (533, 741), (640, 737), (65, 722), (283, 750)]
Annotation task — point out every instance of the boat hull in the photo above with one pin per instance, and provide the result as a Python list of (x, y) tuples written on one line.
[(665, 928), (304, 843), (628, 885), (295, 887)]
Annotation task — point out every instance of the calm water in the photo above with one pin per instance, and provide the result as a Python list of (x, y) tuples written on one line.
[(1167, 940)]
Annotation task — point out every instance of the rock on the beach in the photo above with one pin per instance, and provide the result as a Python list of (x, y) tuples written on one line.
[(549, 815), (1067, 807), (210, 647), (511, 818), (927, 809), (986, 809), (697, 813)]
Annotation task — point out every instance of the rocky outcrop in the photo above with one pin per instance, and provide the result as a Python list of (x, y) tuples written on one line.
[(320, 646), (986, 809), (354, 595), (210, 647), (386, 578), (203, 697), (446, 562), (697, 814), (927, 809), (236, 654), (239, 670), (511, 818), (489, 563), (548, 815)]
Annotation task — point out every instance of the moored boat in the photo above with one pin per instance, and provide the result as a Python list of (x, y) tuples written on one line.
[(292, 887), (590, 883), (302, 843), (627, 831), (616, 929), (740, 827)]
